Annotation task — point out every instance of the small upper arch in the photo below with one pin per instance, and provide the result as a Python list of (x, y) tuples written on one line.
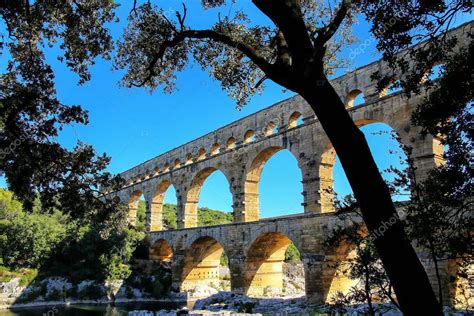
[(230, 144), (215, 149), (355, 98), (249, 136), (201, 154), (176, 164), (271, 129), (392, 88), (189, 159), (295, 119)]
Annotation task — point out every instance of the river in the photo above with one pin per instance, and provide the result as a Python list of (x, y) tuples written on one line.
[(83, 309)]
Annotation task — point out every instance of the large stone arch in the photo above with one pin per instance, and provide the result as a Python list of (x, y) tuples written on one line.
[(335, 276), (190, 216), (155, 213), (327, 160), (201, 263), (133, 206), (161, 251), (264, 264), (251, 181)]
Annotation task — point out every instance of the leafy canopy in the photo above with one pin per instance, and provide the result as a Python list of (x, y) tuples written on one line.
[(31, 115), (235, 51)]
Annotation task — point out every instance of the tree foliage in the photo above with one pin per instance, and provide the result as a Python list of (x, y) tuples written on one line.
[(60, 245), (235, 51), (31, 115)]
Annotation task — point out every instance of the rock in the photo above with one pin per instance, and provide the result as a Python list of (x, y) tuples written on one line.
[(84, 284), (293, 280), (203, 290), (57, 284), (11, 288)]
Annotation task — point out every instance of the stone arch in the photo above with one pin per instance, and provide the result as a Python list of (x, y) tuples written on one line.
[(249, 136), (215, 149), (392, 88), (328, 161), (252, 180), (155, 214), (201, 263), (230, 144), (201, 154), (336, 270), (271, 129), (264, 264), (189, 159), (176, 164), (133, 206), (161, 251), (294, 119), (166, 168), (156, 171), (192, 196), (354, 98)]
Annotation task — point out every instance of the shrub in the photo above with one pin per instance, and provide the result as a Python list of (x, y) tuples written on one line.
[(292, 253), (92, 291), (26, 276), (56, 295), (30, 296)]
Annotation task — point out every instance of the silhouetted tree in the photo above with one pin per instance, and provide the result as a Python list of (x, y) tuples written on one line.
[(31, 158)]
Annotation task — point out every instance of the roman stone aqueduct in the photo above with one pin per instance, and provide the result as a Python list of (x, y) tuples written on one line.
[(256, 247)]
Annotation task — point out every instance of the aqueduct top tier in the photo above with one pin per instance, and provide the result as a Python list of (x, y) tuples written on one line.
[(241, 149)]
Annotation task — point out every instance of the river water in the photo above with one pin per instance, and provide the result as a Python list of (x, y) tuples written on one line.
[(89, 310)]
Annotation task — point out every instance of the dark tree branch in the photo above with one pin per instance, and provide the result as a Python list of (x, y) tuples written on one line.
[(287, 16), (324, 35), (182, 18), (182, 36)]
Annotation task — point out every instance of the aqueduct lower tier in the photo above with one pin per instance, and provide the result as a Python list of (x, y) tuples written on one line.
[(256, 253)]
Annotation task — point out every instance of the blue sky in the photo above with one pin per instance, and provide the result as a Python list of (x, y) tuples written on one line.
[(133, 125)]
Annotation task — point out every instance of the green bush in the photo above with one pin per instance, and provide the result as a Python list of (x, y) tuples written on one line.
[(28, 240), (162, 284), (224, 260), (129, 293), (56, 295), (25, 275), (72, 292), (292, 253), (30, 296), (92, 291)]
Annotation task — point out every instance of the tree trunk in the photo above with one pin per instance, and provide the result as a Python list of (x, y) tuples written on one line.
[(408, 277)]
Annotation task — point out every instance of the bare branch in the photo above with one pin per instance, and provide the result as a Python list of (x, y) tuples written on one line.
[(324, 35), (182, 18), (182, 36)]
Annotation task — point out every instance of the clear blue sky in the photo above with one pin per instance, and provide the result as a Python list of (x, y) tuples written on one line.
[(132, 125)]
